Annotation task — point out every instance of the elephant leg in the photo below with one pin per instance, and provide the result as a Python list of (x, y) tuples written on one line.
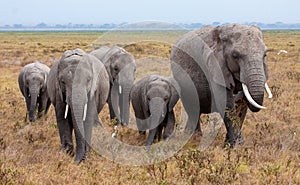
[(150, 139), (230, 139), (47, 106), (27, 101), (188, 95), (159, 132), (111, 111), (91, 120), (88, 135), (65, 129), (233, 119), (41, 106), (169, 126), (198, 128), (191, 107), (240, 112)]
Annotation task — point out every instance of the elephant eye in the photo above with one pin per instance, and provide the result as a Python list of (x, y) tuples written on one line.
[(165, 98), (235, 55), (116, 68)]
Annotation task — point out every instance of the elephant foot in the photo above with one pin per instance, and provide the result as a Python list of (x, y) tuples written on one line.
[(68, 149), (40, 114), (240, 139), (148, 147), (79, 158), (237, 140), (198, 131)]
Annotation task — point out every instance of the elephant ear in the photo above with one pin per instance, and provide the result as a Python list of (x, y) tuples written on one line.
[(57, 80), (97, 68), (215, 58), (175, 91), (108, 58), (22, 81)]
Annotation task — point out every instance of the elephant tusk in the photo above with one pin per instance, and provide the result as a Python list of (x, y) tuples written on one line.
[(270, 95), (115, 132), (250, 99), (84, 112), (66, 111), (24, 99), (120, 89)]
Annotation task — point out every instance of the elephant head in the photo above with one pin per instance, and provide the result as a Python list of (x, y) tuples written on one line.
[(160, 96), (79, 78), (153, 98), (241, 53), (32, 82), (121, 68)]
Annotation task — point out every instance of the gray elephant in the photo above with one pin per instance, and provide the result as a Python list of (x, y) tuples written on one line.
[(78, 87), (121, 68), (33, 85), (153, 99), (221, 62)]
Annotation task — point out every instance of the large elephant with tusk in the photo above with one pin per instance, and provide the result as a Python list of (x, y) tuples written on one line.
[(78, 86), (227, 69)]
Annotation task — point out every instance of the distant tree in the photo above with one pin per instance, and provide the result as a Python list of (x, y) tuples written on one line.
[(18, 26), (41, 25)]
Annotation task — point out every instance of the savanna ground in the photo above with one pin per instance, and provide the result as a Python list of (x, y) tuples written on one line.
[(30, 152)]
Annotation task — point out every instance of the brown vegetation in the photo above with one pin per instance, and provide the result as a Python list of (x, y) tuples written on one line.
[(29, 152)]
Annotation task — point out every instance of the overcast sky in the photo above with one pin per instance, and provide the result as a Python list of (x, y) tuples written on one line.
[(32, 12)]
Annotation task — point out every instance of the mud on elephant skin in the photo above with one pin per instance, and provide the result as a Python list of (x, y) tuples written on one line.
[(121, 67), (78, 87), (221, 62), (33, 85), (153, 99)]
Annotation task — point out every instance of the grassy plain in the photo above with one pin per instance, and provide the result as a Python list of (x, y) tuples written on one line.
[(30, 152)]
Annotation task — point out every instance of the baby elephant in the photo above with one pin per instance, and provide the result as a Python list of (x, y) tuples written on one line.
[(32, 83), (153, 99)]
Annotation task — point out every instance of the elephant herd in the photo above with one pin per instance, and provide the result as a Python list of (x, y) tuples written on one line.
[(215, 69)]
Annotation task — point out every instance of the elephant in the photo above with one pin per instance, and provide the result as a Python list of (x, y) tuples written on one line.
[(78, 87), (227, 69), (153, 99), (33, 85), (121, 67)]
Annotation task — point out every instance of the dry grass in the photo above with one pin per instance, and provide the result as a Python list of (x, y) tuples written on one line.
[(29, 152)]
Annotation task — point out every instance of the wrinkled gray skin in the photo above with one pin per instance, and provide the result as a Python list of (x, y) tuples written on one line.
[(121, 67), (77, 79), (240, 51), (33, 85), (153, 99)]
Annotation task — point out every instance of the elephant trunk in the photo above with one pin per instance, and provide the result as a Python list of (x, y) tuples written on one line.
[(78, 109), (255, 85), (158, 111), (124, 104), (34, 93)]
